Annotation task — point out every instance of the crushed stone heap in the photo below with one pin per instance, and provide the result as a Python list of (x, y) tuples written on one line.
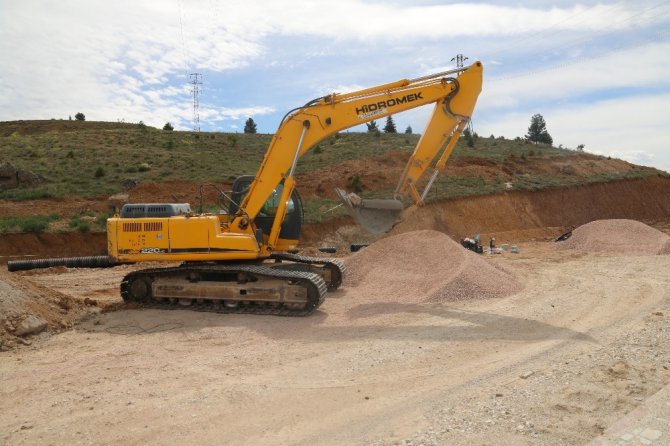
[(617, 236), (425, 266)]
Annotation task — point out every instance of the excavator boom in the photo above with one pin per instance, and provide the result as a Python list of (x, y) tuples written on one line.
[(453, 93)]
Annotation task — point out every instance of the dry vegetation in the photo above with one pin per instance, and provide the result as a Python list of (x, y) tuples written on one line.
[(98, 159)]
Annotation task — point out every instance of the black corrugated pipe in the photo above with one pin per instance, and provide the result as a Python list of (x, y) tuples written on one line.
[(70, 262)]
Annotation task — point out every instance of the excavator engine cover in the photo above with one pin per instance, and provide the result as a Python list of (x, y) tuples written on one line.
[(376, 216)]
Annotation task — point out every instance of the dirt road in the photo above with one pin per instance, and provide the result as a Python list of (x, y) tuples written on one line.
[(584, 343)]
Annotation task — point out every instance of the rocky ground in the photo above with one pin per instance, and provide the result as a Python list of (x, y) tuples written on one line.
[(584, 343)]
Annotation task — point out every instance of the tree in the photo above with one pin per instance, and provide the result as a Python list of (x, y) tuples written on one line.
[(469, 140), (408, 130), (537, 132), (390, 125), (168, 127), (250, 126), (80, 117), (372, 127)]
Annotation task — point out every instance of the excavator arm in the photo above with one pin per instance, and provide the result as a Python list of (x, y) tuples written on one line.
[(450, 117), (454, 94)]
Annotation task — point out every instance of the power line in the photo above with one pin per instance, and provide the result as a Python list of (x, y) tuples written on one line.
[(589, 37), (534, 36), (659, 36), (184, 48)]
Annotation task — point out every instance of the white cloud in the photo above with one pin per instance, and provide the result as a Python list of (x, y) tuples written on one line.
[(129, 60), (110, 60), (359, 20)]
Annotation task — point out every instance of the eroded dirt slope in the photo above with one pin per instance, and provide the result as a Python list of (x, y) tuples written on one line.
[(511, 216)]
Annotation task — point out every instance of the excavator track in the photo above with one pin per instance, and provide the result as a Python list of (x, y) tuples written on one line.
[(332, 270), (245, 289)]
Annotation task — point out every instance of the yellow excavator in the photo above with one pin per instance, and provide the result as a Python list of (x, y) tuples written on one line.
[(243, 259)]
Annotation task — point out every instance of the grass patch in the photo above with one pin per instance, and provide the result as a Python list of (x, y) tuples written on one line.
[(92, 159), (25, 194), (320, 209), (32, 223)]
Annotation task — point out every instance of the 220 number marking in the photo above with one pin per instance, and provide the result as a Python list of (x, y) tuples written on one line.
[(151, 251)]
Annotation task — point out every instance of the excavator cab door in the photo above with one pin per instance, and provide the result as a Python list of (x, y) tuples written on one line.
[(292, 224)]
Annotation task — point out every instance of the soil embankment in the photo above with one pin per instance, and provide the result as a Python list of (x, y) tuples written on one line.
[(644, 199), (511, 216), (65, 244)]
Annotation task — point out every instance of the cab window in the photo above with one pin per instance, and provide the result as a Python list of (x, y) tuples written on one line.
[(269, 209)]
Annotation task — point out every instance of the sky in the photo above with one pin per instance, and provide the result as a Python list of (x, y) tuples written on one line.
[(597, 71)]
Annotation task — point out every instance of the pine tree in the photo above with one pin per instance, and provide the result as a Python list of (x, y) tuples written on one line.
[(250, 126), (469, 140), (537, 132), (80, 117), (372, 127), (408, 130), (390, 125)]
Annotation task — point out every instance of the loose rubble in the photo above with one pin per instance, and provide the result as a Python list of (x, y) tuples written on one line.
[(426, 266), (618, 236)]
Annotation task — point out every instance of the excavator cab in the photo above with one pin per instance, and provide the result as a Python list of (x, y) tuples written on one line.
[(292, 224)]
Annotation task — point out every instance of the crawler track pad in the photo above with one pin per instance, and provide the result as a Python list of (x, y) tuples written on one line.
[(376, 216)]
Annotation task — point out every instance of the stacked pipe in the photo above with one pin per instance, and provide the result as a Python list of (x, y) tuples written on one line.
[(70, 262)]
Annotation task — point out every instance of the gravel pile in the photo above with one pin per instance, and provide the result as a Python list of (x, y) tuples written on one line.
[(617, 237), (425, 266)]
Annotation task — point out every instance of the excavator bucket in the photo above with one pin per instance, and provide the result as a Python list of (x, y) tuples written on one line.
[(376, 216)]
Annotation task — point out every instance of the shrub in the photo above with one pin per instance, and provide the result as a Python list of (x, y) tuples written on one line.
[(77, 223), (167, 127), (356, 184), (80, 117), (24, 194), (143, 167), (99, 172), (32, 223)]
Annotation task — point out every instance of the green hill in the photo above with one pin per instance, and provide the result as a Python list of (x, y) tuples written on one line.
[(96, 159)]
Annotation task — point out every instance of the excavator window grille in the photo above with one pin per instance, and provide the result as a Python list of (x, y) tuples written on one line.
[(132, 227), (156, 209), (153, 226)]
